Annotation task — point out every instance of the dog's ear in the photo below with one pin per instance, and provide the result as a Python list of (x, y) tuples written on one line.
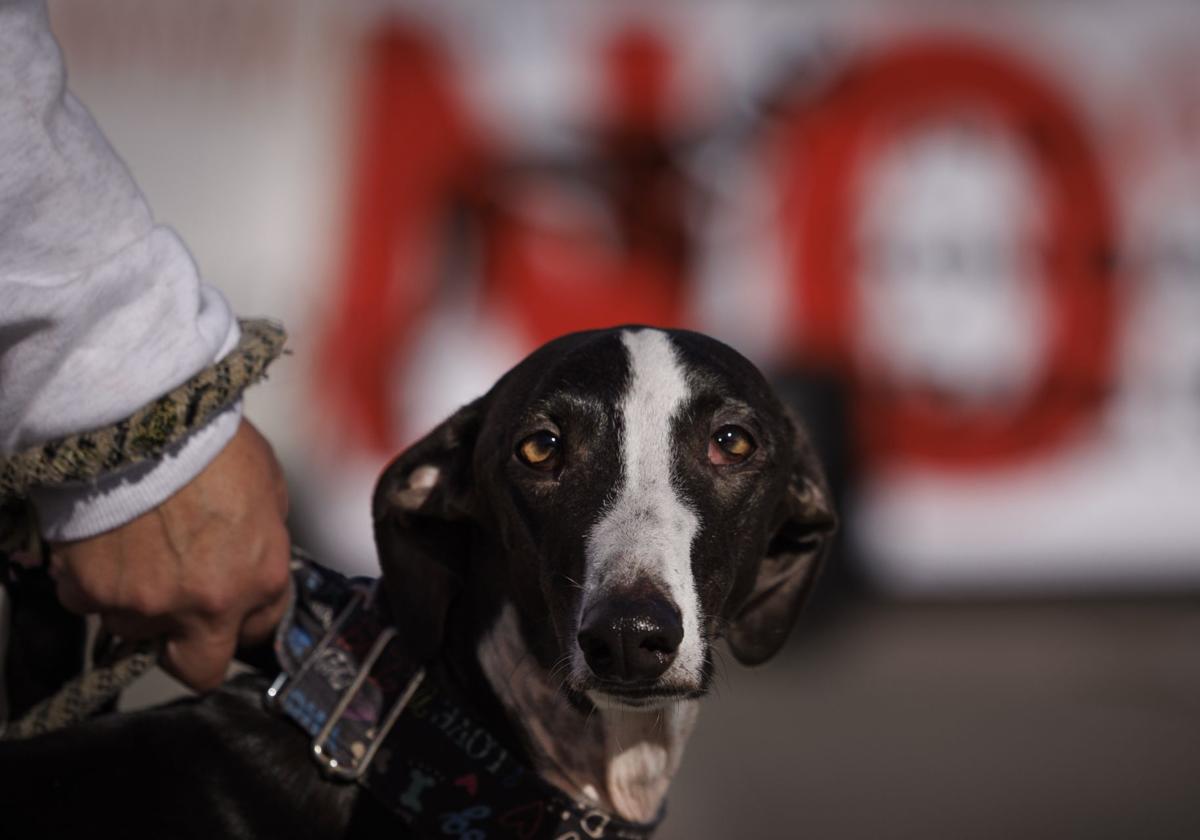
[(805, 525), (422, 508)]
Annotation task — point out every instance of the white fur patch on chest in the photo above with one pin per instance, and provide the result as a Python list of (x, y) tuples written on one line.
[(645, 535), (644, 750)]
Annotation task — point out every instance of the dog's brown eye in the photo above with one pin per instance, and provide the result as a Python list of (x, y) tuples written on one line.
[(730, 445), (539, 450)]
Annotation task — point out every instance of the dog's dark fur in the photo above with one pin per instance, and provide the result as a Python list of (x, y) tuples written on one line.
[(478, 549)]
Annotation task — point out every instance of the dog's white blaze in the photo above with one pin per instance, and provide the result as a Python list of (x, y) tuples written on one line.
[(646, 533)]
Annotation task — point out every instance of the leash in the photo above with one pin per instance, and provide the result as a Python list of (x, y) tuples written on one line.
[(100, 683), (150, 430), (83, 696)]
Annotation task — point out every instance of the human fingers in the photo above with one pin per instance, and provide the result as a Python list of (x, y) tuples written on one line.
[(213, 555), (199, 654), (260, 623)]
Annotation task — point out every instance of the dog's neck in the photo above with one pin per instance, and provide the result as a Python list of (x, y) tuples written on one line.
[(622, 760)]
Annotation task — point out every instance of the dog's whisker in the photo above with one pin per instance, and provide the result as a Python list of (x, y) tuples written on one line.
[(722, 672), (560, 671), (562, 662)]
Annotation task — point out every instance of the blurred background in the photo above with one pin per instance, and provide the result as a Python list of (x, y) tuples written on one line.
[(962, 238)]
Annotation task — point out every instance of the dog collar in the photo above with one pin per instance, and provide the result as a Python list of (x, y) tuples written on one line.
[(375, 719)]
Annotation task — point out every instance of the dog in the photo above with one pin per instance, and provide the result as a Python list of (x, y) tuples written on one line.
[(561, 556)]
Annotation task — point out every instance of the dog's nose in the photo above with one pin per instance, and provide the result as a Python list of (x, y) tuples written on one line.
[(630, 640)]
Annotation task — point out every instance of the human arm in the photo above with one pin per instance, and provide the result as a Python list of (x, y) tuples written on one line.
[(101, 311)]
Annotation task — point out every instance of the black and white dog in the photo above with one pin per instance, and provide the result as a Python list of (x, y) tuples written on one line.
[(563, 554)]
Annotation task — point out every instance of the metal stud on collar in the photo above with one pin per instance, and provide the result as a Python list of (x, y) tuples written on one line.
[(353, 771), (278, 693)]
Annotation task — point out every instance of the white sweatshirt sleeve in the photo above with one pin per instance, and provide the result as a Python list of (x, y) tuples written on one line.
[(101, 309)]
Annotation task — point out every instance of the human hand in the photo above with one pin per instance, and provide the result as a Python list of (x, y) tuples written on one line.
[(206, 569)]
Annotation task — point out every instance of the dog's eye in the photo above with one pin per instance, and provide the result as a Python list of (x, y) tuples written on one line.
[(730, 445), (539, 450)]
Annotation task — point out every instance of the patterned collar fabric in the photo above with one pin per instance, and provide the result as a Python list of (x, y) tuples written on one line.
[(436, 766)]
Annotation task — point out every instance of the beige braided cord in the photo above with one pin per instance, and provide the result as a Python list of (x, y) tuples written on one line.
[(83, 696), (151, 429)]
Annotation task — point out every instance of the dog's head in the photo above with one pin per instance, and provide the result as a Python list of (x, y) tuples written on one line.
[(634, 493)]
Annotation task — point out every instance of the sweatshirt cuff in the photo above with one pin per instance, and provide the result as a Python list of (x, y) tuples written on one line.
[(77, 511)]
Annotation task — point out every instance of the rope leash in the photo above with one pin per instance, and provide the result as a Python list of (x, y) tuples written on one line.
[(84, 695), (149, 431)]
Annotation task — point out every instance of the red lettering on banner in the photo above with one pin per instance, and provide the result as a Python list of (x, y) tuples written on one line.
[(554, 282), (420, 161), (416, 146), (828, 144)]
